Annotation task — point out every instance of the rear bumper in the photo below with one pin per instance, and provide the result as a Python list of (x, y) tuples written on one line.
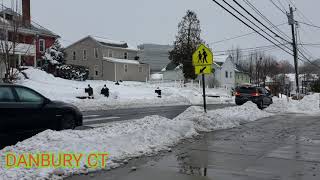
[(240, 100)]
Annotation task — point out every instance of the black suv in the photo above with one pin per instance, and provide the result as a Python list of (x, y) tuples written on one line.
[(258, 95), (24, 112)]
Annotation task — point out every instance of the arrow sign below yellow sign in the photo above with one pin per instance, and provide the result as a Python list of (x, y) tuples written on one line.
[(203, 69)]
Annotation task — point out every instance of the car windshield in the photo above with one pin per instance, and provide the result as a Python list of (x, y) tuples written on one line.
[(247, 90)]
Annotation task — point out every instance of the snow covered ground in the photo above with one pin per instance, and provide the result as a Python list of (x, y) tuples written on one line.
[(125, 140), (147, 136), (129, 139), (308, 105), (127, 94)]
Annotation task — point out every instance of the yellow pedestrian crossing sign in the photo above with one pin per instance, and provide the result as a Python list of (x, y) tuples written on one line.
[(202, 60), (202, 56)]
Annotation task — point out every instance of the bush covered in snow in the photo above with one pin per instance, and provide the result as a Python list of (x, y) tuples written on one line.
[(53, 55), (54, 63), (72, 72)]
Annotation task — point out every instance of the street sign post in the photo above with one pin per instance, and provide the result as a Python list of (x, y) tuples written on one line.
[(202, 60)]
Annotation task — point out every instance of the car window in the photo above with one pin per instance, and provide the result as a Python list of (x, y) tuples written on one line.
[(261, 91), (247, 90), (6, 95), (27, 95)]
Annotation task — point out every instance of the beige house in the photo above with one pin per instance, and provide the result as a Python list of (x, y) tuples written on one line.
[(107, 59)]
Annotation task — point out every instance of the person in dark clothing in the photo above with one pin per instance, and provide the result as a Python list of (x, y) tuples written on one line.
[(105, 91), (158, 91), (117, 83), (89, 90)]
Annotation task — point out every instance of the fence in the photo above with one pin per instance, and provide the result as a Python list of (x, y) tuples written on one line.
[(175, 83)]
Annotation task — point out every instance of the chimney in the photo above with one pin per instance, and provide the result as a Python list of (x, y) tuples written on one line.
[(26, 18)]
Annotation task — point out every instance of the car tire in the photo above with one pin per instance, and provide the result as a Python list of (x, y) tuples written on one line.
[(239, 104), (67, 122), (260, 105)]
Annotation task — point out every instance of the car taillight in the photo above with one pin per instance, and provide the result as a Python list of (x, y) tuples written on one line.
[(237, 94), (255, 94)]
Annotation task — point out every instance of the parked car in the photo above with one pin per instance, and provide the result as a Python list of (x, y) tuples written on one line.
[(258, 95), (25, 112)]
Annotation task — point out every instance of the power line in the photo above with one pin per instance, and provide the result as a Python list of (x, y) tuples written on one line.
[(312, 25), (252, 48), (250, 26), (240, 36), (304, 50), (278, 7), (257, 20), (300, 13), (302, 46), (264, 17), (282, 5)]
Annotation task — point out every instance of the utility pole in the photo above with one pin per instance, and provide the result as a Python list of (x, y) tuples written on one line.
[(292, 22)]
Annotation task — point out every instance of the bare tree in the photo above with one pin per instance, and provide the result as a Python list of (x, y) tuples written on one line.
[(236, 55), (10, 25)]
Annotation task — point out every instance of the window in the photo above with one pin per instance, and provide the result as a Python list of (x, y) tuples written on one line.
[(84, 54), (42, 45), (230, 74), (110, 53), (226, 74), (125, 55), (140, 69), (74, 55), (96, 52), (126, 68), (6, 95), (27, 95)]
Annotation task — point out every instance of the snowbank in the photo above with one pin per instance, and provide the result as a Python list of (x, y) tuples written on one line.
[(308, 105), (128, 139), (127, 94), (222, 118)]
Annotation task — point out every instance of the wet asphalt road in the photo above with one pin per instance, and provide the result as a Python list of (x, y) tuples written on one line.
[(281, 147), (94, 119)]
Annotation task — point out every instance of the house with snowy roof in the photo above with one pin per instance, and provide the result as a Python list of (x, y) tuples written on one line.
[(107, 59), (225, 74), (228, 74), (31, 41)]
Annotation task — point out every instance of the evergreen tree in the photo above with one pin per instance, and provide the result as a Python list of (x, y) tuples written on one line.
[(187, 41)]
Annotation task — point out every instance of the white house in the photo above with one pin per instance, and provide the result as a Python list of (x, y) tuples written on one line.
[(227, 74)]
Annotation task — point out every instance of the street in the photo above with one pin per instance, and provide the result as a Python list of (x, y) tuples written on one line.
[(279, 147), (94, 119)]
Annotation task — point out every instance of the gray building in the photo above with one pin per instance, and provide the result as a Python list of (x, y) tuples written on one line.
[(157, 56), (107, 59)]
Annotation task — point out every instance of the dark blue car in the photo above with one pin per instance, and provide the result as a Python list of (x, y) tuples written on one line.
[(258, 95)]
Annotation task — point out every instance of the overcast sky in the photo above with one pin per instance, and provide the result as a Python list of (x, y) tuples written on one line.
[(155, 21)]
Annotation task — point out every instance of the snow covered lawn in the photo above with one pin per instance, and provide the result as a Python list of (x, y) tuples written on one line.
[(127, 94), (147, 136)]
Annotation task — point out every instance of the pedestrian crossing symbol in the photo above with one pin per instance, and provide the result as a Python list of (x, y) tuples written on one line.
[(202, 57)]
